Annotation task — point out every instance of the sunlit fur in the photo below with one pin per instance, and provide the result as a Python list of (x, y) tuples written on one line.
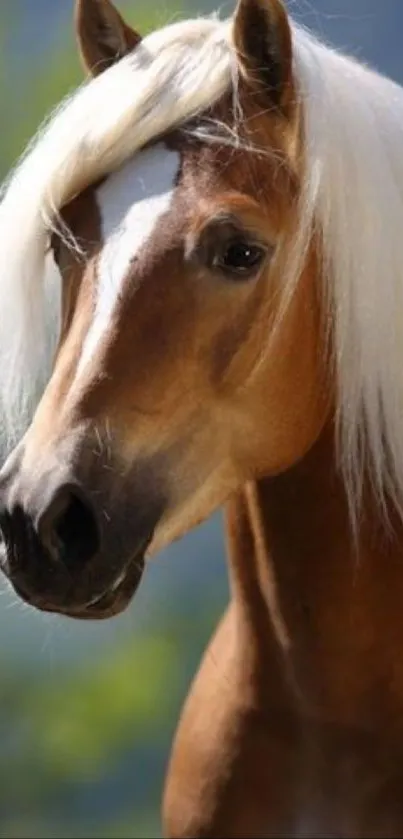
[(352, 195)]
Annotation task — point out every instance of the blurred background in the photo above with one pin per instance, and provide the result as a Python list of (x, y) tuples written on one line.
[(87, 712)]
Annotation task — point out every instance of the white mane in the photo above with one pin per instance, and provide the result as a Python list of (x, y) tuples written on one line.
[(352, 194)]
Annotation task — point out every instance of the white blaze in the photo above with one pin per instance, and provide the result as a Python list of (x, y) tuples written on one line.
[(131, 202)]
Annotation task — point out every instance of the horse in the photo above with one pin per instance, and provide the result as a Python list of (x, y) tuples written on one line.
[(201, 292)]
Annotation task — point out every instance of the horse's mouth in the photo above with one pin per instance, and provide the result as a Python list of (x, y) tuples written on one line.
[(109, 599), (117, 597), (111, 602)]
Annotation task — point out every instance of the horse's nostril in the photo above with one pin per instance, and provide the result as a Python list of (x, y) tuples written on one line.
[(69, 530)]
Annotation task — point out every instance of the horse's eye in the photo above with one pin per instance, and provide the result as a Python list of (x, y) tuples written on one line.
[(239, 258)]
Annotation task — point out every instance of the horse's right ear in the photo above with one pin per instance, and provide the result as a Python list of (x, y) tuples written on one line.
[(102, 34), (263, 41)]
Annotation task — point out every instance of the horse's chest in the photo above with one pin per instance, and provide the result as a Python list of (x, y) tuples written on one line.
[(350, 785)]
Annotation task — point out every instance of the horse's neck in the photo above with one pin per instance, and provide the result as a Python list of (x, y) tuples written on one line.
[(329, 610)]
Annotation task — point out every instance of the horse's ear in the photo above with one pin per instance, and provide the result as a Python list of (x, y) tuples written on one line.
[(102, 34), (262, 38)]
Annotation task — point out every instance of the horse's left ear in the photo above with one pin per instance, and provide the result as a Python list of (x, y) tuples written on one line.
[(102, 34), (263, 41)]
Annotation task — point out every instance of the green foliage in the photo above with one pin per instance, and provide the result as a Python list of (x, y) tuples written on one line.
[(84, 719), (86, 728)]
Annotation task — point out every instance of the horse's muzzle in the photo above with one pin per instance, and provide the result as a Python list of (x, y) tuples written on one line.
[(73, 539)]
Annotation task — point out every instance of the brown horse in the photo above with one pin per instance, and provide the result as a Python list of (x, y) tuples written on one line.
[(220, 209)]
